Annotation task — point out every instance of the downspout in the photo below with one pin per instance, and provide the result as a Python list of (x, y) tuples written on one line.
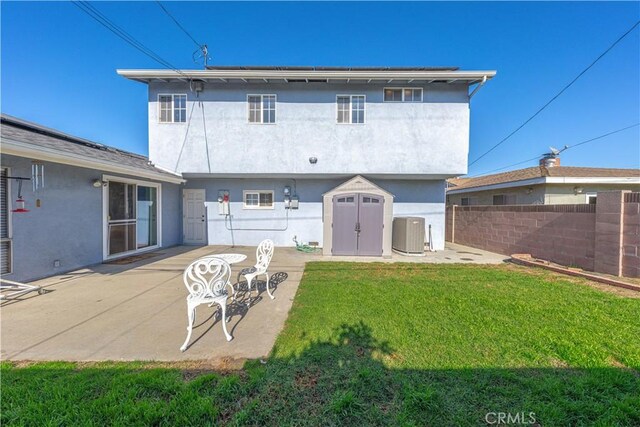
[(484, 80)]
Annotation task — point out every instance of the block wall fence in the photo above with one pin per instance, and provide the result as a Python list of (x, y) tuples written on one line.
[(604, 237)]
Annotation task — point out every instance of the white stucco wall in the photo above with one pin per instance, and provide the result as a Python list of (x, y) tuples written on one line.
[(412, 198), (427, 138)]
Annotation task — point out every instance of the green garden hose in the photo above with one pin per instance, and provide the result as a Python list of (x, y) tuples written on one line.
[(303, 248)]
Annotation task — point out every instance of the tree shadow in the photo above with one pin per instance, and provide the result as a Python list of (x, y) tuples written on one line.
[(345, 379)]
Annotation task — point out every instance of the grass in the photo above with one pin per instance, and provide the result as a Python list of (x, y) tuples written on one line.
[(380, 344)]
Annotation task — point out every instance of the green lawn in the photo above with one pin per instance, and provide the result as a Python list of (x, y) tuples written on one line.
[(403, 344)]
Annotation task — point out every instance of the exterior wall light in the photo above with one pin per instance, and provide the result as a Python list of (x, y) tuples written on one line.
[(97, 183), (313, 160), (578, 190)]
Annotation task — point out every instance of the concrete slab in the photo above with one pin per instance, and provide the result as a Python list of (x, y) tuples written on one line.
[(452, 254), (138, 311)]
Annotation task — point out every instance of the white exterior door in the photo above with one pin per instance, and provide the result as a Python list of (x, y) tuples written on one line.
[(194, 218)]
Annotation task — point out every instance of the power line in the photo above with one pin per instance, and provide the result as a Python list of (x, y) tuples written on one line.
[(202, 48), (178, 24), (503, 168), (118, 31), (564, 149), (558, 94)]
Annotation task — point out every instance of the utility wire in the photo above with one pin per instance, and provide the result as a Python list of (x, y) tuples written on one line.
[(94, 13), (202, 48), (558, 94), (564, 149), (178, 24)]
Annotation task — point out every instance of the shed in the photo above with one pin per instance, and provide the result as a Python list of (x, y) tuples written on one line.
[(357, 219)]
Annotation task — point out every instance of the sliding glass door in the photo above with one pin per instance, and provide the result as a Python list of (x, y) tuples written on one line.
[(132, 221), (147, 217)]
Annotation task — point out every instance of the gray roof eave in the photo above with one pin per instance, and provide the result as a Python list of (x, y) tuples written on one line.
[(33, 151)]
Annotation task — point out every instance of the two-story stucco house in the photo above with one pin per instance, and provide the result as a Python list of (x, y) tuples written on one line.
[(327, 154)]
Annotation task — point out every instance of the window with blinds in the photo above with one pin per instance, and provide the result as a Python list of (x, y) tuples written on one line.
[(5, 242)]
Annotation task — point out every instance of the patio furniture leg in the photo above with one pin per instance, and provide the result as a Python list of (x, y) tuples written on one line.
[(249, 278), (223, 305), (267, 285), (191, 313)]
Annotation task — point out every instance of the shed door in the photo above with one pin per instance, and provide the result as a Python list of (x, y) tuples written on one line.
[(370, 224), (345, 217), (357, 224)]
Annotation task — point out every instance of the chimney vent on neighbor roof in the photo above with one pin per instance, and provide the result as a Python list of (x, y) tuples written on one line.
[(549, 161)]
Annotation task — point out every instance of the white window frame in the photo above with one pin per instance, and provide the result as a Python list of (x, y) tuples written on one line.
[(364, 111), (105, 216), (173, 105), (258, 192), (275, 108), (402, 89), (9, 222), (587, 196)]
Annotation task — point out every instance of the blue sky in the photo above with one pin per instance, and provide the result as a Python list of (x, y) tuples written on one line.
[(58, 65)]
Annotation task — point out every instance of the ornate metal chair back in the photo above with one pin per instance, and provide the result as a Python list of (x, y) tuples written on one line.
[(207, 277), (264, 254)]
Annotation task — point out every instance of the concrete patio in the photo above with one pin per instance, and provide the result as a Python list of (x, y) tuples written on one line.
[(137, 311)]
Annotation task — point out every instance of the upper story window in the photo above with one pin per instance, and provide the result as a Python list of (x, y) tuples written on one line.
[(350, 108), (403, 94), (173, 108), (262, 108)]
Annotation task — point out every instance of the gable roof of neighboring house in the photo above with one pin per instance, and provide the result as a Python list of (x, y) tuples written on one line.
[(544, 175), (306, 74), (26, 139)]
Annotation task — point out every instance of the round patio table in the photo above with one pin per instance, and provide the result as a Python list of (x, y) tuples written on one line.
[(230, 258)]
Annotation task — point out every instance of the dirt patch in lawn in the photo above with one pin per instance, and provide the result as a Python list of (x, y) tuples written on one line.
[(551, 275)]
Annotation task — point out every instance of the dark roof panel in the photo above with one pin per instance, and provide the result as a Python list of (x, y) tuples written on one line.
[(31, 133)]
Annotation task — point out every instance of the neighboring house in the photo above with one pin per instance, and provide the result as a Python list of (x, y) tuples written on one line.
[(327, 154), (546, 184), (86, 202)]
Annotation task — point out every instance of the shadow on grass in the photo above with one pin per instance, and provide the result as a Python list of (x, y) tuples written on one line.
[(340, 381)]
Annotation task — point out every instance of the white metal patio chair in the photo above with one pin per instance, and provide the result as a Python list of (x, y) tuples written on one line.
[(264, 253), (206, 279)]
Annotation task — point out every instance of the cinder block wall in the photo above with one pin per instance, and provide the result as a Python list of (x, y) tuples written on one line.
[(560, 233), (604, 237)]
